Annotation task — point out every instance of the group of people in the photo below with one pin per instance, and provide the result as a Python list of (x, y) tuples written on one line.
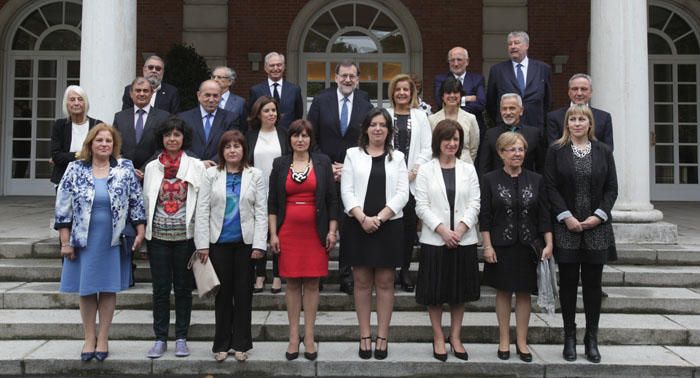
[(232, 181)]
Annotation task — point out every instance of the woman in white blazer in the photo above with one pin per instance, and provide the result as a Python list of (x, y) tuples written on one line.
[(374, 188), (411, 136), (231, 228), (448, 202)]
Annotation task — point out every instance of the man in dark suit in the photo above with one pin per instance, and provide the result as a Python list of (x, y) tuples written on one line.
[(138, 124), (226, 78), (580, 92), (528, 77), (511, 113), (336, 116), (287, 94), (208, 123), (165, 96)]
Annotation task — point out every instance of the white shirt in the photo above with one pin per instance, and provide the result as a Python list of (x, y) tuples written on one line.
[(153, 98), (271, 84), (224, 99), (340, 105), (78, 133), (524, 68), (147, 110), (267, 148), (463, 99)]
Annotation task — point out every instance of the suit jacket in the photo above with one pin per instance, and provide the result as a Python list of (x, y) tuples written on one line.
[(142, 152), (534, 156), (61, 138), (326, 196), (324, 116), (602, 119), (252, 139), (167, 98), (291, 105), (201, 148), (473, 85), (471, 133), (236, 105), (433, 207), (211, 206), (537, 96)]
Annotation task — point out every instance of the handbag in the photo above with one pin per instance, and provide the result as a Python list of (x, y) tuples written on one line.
[(204, 274)]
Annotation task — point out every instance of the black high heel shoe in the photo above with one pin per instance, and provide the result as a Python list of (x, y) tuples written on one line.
[(461, 355), (503, 355), (294, 355), (439, 356), (526, 357), (87, 356), (365, 354), (380, 354), (311, 356)]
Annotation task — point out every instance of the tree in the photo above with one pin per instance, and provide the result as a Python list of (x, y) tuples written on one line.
[(186, 70)]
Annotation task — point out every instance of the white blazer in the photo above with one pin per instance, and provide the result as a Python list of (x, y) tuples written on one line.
[(433, 208), (191, 171), (211, 206), (355, 177), (471, 132), (419, 150)]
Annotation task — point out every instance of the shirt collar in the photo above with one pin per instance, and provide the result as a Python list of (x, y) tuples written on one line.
[(270, 83), (146, 108), (524, 62), (341, 96), (204, 112)]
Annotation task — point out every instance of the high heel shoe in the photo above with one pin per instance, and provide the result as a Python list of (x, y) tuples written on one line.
[(439, 356), (101, 356), (311, 356), (87, 356), (275, 290), (526, 357), (380, 354), (503, 355), (405, 281), (365, 354), (294, 355), (461, 355), (259, 289)]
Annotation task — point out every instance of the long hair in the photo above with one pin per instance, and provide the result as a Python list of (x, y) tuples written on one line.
[(577, 109), (86, 151), (254, 122), (414, 93), (363, 142)]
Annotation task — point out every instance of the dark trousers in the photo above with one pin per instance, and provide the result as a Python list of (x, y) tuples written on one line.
[(234, 301), (591, 277), (168, 260), (410, 229), (261, 266)]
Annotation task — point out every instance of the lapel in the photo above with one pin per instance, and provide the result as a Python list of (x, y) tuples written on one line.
[(150, 122), (531, 75), (460, 171), (128, 133), (333, 105), (196, 120), (437, 178), (68, 132), (510, 75), (245, 182), (215, 126)]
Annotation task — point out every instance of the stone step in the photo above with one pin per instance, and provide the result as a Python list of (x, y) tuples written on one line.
[(406, 326), (640, 300), (339, 359)]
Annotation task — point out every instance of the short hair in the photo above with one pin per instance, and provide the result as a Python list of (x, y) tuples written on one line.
[(80, 92), (171, 124), (230, 72), (452, 85), (519, 34), (139, 80), (347, 63), (296, 128), (86, 151), (232, 136), (154, 57), (513, 95), (395, 81), (508, 139), (577, 109), (363, 141), (466, 52), (253, 118), (271, 55), (581, 76), (444, 130)]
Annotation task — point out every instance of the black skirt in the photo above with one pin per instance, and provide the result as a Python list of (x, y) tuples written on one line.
[(381, 249), (447, 275), (515, 270)]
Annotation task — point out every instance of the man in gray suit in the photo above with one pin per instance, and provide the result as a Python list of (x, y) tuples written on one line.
[(138, 123), (226, 78)]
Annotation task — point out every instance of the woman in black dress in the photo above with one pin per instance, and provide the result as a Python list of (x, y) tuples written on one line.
[(514, 220), (374, 188), (582, 187), (447, 201)]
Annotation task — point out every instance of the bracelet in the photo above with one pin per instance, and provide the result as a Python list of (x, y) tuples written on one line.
[(488, 247), (363, 219)]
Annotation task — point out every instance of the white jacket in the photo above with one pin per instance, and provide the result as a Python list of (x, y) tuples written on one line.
[(211, 206), (471, 132), (419, 150), (433, 208), (355, 177), (191, 171)]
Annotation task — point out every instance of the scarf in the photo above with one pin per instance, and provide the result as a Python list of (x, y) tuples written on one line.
[(172, 194)]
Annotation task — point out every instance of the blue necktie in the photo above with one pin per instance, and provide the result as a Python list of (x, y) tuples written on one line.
[(344, 117), (521, 78), (276, 93), (207, 126), (138, 129)]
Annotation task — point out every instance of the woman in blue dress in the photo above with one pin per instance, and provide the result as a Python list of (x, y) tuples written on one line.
[(96, 197)]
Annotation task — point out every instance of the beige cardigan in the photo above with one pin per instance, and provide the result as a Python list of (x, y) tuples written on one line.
[(471, 132)]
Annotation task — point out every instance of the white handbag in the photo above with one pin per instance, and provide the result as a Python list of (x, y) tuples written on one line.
[(205, 276)]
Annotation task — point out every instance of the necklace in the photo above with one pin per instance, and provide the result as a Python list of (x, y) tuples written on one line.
[(397, 145), (301, 176), (581, 152)]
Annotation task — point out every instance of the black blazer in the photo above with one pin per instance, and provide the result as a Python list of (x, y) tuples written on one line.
[(514, 217), (207, 149), (61, 138), (534, 157), (602, 119), (167, 98), (324, 116), (291, 105), (252, 139), (560, 178), (140, 153), (326, 196)]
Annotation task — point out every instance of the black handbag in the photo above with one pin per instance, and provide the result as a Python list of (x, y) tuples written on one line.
[(537, 249)]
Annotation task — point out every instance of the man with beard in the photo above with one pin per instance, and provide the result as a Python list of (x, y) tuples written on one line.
[(165, 96), (511, 113)]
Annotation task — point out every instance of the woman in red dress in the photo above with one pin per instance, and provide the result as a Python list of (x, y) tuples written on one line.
[(302, 207)]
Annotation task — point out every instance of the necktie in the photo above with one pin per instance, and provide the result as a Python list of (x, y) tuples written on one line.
[(275, 92), (138, 129), (344, 117), (207, 126), (222, 103), (521, 78)]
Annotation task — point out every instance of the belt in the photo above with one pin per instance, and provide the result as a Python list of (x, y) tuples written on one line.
[(300, 203)]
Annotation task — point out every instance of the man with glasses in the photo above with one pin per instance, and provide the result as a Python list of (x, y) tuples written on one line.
[(226, 77), (165, 96), (288, 95)]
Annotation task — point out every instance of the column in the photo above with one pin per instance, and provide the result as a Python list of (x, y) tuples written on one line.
[(619, 67), (107, 54)]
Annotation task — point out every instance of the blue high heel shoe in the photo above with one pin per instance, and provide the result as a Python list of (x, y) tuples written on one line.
[(87, 356), (101, 356)]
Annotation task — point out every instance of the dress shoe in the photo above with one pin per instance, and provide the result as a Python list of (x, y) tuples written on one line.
[(365, 354), (569, 351), (380, 354), (503, 355), (101, 356), (526, 357), (290, 356), (87, 356), (405, 281), (590, 343), (220, 356), (439, 356), (461, 355), (240, 356)]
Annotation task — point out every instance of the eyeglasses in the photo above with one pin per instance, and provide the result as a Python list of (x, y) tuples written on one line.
[(152, 67), (348, 76), (214, 77), (513, 150)]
